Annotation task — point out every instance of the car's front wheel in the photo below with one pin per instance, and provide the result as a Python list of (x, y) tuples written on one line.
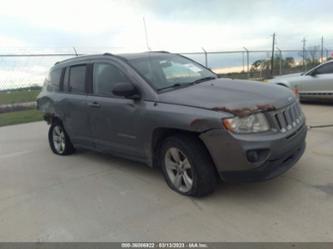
[(59, 141), (186, 166)]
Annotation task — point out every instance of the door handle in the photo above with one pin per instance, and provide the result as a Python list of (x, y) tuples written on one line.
[(94, 104)]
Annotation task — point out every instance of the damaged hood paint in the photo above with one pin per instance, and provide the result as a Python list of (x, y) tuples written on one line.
[(238, 97)]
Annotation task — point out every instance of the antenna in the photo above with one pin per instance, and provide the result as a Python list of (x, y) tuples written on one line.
[(146, 34), (75, 51)]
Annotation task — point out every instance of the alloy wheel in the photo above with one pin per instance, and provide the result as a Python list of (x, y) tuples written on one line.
[(179, 169), (58, 136)]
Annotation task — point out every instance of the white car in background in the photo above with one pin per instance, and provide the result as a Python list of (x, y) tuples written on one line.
[(316, 84)]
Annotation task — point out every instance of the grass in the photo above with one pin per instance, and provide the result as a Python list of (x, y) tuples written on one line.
[(18, 96), (20, 117)]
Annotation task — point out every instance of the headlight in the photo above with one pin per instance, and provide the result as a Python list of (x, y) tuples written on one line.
[(250, 124)]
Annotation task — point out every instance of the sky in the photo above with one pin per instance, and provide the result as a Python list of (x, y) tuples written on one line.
[(116, 26), (174, 25)]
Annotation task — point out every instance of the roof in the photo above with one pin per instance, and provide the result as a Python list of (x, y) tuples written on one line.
[(133, 56), (128, 56)]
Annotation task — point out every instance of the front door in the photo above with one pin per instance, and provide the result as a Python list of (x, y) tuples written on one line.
[(113, 119)]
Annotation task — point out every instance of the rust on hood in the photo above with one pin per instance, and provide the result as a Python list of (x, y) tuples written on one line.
[(246, 111), (266, 107)]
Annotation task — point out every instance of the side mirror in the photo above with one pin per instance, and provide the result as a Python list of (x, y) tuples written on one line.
[(127, 90)]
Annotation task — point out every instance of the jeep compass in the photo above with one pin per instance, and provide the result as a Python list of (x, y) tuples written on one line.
[(171, 112)]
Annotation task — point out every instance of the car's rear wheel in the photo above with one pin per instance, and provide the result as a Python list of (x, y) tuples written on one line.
[(187, 167), (59, 141)]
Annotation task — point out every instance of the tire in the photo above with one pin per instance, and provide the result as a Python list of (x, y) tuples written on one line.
[(63, 146), (194, 173)]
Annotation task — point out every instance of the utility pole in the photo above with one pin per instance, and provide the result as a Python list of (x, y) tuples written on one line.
[(272, 61), (243, 62), (280, 60), (322, 50), (304, 45), (247, 61)]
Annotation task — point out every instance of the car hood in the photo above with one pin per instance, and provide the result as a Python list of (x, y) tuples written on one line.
[(238, 97)]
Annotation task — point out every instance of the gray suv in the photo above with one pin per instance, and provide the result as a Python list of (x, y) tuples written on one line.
[(170, 112)]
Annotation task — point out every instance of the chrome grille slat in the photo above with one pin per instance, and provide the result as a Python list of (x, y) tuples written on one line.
[(286, 117), (294, 113), (282, 121), (277, 120)]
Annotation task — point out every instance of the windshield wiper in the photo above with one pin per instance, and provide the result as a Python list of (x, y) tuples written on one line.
[(203, 79), (176, 85)]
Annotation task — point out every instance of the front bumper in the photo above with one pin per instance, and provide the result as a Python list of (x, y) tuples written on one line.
[(279, 152)]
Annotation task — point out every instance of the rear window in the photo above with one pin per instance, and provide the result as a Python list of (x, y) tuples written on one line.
[(53, 79), (77, 79)]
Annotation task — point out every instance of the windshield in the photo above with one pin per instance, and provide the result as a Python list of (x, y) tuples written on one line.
[(170, 71)]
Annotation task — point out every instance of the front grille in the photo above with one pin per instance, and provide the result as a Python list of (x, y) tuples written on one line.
[(287, 118)]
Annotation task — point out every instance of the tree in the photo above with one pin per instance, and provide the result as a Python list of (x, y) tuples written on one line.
[(313, 55), (290, 62), (263, 66)]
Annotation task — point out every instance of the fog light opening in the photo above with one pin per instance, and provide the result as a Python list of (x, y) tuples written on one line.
[(258, 155), (252, 156)]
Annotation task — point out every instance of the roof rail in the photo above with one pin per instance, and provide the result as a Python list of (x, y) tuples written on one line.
[(166, 52)]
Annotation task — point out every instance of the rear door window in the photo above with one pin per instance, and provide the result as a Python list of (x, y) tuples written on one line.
[(77, 79)]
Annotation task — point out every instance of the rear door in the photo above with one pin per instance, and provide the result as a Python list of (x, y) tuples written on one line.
[(114, 120), (74, 106)]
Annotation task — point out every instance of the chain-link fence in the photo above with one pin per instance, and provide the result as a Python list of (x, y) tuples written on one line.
[(258, 64), (21, 71), (29, 69)]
